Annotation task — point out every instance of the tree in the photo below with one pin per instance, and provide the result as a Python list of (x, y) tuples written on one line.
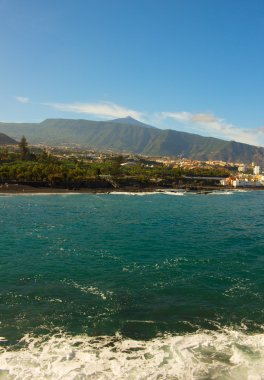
[(3, 154), (23, 147), (115, 168)]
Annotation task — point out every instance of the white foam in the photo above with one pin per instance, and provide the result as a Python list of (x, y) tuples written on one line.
[(177, 193), (241, 191), (91, 290), (142, 193), (229, 355), (132, 193), (221, 192)]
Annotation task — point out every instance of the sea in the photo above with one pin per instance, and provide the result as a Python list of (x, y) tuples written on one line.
[(156, 286)]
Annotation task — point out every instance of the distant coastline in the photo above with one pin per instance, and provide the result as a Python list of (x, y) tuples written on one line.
[(25, 169), (20, 189)]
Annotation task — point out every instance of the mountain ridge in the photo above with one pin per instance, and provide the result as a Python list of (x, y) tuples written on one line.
[(127, 135), (6, 140)]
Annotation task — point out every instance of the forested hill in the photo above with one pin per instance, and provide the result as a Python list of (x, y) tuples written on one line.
[(6, 140), (129, 135)]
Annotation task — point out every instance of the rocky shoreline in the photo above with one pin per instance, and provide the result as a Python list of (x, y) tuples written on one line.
[(27, 189)]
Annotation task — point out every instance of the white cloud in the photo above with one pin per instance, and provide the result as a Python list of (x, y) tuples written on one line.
[(188, 116), (22, 99), (204, 118), (178, 116), (103, 109), (210, 125)]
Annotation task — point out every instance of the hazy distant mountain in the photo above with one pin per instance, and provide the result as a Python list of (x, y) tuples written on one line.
[(130, 135), (6, 140), (130, 120)]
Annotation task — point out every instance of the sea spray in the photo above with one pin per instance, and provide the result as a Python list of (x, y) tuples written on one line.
[(227, 354)]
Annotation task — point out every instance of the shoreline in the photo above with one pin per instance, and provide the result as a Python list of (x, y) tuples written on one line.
[(19, 189)]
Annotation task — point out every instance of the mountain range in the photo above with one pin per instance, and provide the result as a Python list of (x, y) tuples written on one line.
[(127, 135), (6, 140)]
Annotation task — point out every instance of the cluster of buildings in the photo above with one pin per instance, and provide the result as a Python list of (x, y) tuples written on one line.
[(242, 175), (187, 163), (245, 177)]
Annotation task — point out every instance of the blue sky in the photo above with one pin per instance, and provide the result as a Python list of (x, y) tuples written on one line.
[(190, 65)]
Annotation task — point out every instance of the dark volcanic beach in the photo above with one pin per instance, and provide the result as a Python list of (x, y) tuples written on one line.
[(26, 189)]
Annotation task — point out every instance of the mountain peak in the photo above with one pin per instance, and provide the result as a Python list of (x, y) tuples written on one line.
[(127, 119), (130, 120)]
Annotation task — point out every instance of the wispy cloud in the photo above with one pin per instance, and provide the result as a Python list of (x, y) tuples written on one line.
[(210, 125), (177, 116), (204, 118), (22, 99), (103, 109)]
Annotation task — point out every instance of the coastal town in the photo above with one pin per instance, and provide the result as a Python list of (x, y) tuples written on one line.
[(109, 165), (241, 174)]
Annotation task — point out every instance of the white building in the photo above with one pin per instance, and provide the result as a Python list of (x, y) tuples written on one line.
[(246, 183), (242, 168), (235, 182), (256, 170), (223, 182)]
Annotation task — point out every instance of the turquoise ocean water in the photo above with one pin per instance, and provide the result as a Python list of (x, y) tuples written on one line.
[(119, 286)]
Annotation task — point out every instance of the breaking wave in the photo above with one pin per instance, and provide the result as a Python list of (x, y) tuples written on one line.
[(226, 354)]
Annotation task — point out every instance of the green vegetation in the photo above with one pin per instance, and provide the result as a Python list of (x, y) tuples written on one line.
[(42, 169)]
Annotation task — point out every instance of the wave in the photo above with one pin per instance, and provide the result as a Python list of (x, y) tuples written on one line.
[(165, 192), (222, 192), (170, 192), (91, 290), (226, 355), (131, 193), (242, 191)]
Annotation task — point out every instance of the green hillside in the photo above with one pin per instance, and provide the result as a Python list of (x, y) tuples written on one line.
[(6, 140), (129, 135)]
